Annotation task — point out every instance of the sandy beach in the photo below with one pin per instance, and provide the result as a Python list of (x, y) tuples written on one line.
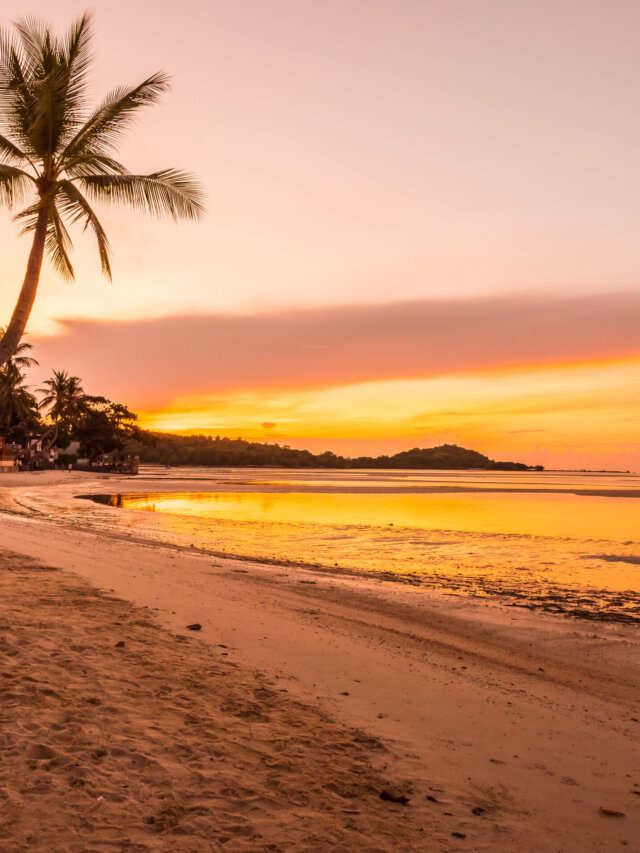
[(304, 697)]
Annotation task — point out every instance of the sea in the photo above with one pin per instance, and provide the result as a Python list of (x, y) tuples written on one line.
[(567, 543)]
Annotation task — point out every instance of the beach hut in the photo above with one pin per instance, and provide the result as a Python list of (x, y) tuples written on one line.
[(7, 457)]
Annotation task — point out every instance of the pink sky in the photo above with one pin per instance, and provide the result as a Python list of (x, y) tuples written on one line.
[(358, 154)]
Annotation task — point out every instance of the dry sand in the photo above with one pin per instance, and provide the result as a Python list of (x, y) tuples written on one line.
[(311, 693), (117, 734)]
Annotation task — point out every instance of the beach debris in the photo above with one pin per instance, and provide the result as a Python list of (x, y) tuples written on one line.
[(394, 798), (496, 761), (119, 644), (96, 805), (195, 626), (433, 799), (345, 693), (307, 581), (478, 810), (458, 834), (611, 812)]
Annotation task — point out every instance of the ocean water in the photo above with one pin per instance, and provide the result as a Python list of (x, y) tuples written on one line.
[(568, 543)]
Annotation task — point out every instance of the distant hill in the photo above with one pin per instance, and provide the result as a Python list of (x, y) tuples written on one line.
[(166, 449)]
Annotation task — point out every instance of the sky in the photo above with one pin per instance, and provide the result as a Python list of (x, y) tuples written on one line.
[(421, 227)]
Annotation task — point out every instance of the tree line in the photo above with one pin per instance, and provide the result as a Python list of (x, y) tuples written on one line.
[(206, 450), (60, 412)]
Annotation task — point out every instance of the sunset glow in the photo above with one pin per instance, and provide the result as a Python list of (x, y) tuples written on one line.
[(563, 415), (440, 246)]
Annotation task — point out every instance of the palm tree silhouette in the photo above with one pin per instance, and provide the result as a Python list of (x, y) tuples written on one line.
[(63, 396), (64, 154), (18, 406)]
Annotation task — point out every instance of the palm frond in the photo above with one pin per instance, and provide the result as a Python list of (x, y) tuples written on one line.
[(169, 192), (77, 58), (43, 81), (37, 43), (35, 82), (76, 207), (103, 129), (19, 358), (14, 184), (11, 153), (58, 243), (93, 164), (16, 99)]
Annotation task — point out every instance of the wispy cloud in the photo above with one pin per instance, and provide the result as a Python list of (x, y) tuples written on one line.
[(149, 363)]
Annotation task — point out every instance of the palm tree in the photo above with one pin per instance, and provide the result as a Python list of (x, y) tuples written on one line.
[(64, 398), (63, 395), (18, 406), (64, 155)]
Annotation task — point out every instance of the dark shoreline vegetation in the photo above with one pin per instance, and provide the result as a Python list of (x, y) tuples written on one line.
[(67, 425), (206, 451)]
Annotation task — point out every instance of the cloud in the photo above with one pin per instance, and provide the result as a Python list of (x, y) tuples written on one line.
[(151, 362)]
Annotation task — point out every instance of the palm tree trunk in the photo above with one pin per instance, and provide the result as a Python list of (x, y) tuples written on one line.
[(22, 311)]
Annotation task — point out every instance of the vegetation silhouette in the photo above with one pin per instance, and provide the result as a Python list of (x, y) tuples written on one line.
[(166, 449), (62, 154), (66, 414), (63, 400)]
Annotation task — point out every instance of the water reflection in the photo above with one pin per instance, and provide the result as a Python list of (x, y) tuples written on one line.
[(548, 547), (563, 515)]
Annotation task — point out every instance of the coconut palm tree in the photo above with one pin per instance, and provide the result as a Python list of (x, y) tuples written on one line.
[(64, 398), (18, 407), (63, 155)]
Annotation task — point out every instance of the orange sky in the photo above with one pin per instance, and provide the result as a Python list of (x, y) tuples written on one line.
[(422, 227)]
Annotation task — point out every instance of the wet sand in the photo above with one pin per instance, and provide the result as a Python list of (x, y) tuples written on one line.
[(513, 729)]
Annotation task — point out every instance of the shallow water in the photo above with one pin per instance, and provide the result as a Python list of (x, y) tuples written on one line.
[(566, 542)]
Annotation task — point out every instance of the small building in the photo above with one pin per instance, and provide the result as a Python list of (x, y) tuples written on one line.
[(7, 457)]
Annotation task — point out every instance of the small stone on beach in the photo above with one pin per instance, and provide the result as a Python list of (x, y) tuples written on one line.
[(195, 626), (393, 798), (611, 812)]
